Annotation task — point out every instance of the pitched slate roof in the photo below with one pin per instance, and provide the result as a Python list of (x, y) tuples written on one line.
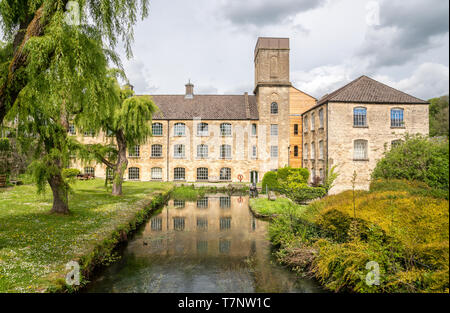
[(206, 107), (367, 90)]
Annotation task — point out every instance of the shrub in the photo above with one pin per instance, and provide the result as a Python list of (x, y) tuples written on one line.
[(270, 182), (70, 172), (304, 193), (418, 158), (301, 174), (5, 145)]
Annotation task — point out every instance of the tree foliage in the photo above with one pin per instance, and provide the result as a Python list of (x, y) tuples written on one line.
[(439, 116)]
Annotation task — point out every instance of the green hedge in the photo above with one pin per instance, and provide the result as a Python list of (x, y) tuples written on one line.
[(270, 182)]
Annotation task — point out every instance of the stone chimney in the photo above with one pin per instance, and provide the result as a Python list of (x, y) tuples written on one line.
[(189, 91)]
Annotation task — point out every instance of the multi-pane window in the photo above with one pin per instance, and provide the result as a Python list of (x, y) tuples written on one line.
[(274, 108), (202, 224), (360, 117), (225, 129), (225, 152), (321, 118), (134, 152), (313, 150), (156, 224), (202, 203), (179, 223), (157, 129), (254, 152), (274, 151), (179, 129), (274, 130), (179, 204), (156, 173), (202, 173), (109, 173), (89, 171), (313, 121), (305, 124), (225, 202), (225, 223), (89, 133), (321, 150), (305, 151), (295, 129), (254, 130), (156, 151), (397, 118), (225, 173), (72, 130), (133, 173), (224, 246), (295, 151), (202, 129), (360, 150), (202, 151), (396, 143), (179, 173), (179, 151)]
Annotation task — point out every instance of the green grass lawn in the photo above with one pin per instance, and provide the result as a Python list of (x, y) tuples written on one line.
[(35, 245), (267, 207)]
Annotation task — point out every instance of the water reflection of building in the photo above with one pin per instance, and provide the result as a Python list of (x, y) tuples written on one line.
[(217, 225)]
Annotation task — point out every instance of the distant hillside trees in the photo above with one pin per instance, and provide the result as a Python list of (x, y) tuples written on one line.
[(439, 116)]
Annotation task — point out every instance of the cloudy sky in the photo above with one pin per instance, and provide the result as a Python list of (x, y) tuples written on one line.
[(402, 43)]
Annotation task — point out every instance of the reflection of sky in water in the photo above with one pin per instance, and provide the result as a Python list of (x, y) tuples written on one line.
[(213, 244)]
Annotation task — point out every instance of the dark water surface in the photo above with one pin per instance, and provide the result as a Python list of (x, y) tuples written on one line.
[(211, 245)]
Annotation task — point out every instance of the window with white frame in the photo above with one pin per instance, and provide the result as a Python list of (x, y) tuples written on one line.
[(359, 117), (202, 173), (321, 153), (274, 108), (179, 129), (89, 171), (134, 152), (360, 150), (202, 129), (156, 173), (72, 130), (313, 121), (225, 129), (274, 151), (157, 129), (225, 173), (179, 173), (313, 150), (179, 151), (254, 152), (321, 124), (274, 130), (225, 151), (133, 173), (305, 151), (397, 118), (202, 151), (254, 129), (156, 151), (203, 203)]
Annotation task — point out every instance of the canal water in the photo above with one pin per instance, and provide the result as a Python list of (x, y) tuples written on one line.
[(213, 244)]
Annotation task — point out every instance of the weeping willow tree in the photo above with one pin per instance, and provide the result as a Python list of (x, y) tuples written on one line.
[(127, 124), (53, 68)]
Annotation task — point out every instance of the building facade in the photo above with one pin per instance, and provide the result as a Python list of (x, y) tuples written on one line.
[(232, 138)]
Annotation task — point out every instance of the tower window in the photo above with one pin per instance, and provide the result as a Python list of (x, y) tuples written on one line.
[(295, 129), (295, 151), (274, 108)]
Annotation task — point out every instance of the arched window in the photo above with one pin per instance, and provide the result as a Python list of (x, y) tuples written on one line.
[(225, 129), (179, 129), (295, 151), (179, 151), (202, 173), (202, 129), (134, 152), (89, 171), (133, 173), (225, 173), (274, 108), (156, 151), (360, 150), (157, 173), (179, 173), (157, 129), (397, 117), (202, 151), (359, 117), (225, 151)]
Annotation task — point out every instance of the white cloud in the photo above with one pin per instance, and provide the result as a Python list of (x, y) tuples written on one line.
[(139, 76)]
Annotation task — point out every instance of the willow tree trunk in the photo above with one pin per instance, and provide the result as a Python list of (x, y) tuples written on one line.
[(60, 194), (122, 163)]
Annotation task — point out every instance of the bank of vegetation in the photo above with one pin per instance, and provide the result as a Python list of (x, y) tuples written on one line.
[(392, 238)]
